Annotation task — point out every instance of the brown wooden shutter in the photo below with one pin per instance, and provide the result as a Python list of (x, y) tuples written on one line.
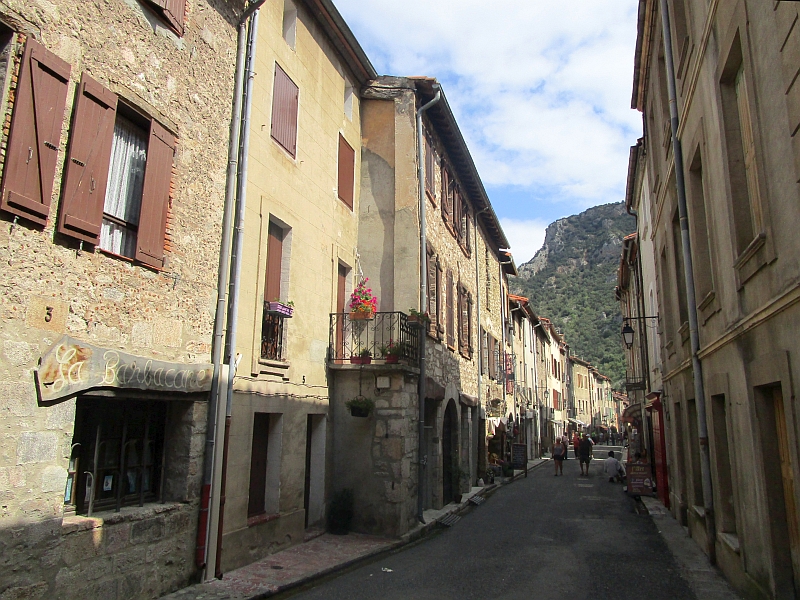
[(492, 357), (172, 11), (433, 290), (484, 351), (272, 287), (86, 172), (447, 195), (155, 196), (430, 163), (32, 152), (347, 167), (256, 502), (439, 300), (451, 310), (470, 347), (462, 338), (284, 111), (468, 232)]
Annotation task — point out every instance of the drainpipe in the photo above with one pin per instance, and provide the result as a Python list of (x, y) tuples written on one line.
[(699, 390), (204, 525), (423, 293)]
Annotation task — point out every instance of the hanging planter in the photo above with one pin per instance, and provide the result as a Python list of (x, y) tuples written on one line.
[(360, 406), (363, 303), (279, 309), (362, 315)]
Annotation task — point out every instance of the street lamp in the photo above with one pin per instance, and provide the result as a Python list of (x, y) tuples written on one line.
[(627, 335)]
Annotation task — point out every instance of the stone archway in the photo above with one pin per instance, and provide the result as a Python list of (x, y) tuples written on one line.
[(450, 441)]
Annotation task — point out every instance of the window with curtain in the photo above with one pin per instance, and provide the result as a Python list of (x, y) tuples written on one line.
[(124, 190)]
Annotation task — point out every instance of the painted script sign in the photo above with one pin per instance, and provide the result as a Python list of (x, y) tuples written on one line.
[(640, 482), (70, 367)]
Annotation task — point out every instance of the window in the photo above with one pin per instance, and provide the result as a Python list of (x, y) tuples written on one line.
[(430, 174), (464, 322), (171, 12), (681, 33), (451, 311), (434, 307), (700, 235), (117, 448), (284, 111), (726, 519), (347, 166), (680, 274), (289, 23), (272, 323), (492, 348), (484, 351), (741, 154), (117, 179), (32, 150), (348, 99)]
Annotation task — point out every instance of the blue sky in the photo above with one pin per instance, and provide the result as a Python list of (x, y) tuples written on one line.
[(541, 91)]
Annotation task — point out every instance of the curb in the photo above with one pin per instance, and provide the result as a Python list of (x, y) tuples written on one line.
[(415, 534)]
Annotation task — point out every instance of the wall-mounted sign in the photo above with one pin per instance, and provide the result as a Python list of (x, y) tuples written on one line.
[(70, 367)]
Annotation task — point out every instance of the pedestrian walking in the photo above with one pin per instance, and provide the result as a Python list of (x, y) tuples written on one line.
[(585, 450), (613, 468), (565, 441), (559, 450), (576, 439)]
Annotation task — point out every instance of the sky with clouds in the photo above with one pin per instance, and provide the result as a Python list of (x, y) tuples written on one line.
[(541, 91)]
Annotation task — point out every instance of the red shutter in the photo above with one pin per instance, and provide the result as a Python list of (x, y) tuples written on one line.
[(35, 135), (86, 172), (451, 314), (284, 111), (171, 11), (347, 167), (155, 196), (272, 288)]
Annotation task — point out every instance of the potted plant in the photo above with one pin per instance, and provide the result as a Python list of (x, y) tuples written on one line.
[(360, 406), (363, 303), (340, 512), (415, 316), (280, 309), (364, 357), (392, 352)]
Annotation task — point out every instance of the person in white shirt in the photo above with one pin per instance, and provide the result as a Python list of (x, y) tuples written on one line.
[(613, 468)]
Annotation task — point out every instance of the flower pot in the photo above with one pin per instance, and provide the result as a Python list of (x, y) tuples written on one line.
[(392, 359), (361, 315), (355, 360), (359, 411), (280, 309)]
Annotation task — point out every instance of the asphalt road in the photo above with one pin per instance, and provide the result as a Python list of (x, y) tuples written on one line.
[(565, 538)]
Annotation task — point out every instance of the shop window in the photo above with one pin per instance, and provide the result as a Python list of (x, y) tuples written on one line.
[(117, 454)]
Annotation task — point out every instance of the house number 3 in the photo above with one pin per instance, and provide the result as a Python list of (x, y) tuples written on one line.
[(48, 316)]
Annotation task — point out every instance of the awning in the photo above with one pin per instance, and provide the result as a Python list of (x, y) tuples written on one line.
[(468, 400), (576, 421), (433, 389)]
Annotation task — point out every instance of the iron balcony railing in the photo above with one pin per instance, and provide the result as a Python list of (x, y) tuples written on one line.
[(384, 332), (633, 381)]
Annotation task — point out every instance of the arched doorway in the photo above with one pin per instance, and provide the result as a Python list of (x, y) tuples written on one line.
[(449, 451)]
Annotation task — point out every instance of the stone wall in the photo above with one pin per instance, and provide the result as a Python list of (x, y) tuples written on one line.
[(51, 287), (376, 456)]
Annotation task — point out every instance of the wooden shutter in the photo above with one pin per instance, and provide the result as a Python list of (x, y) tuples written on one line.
[(256, 503), (470, 347), (272, 288), (432, 289), (32, 152), (155, 196), (484, 351), (439, 299), (284, 111), (451, 333), (86, 172), (447, 195), (492, 357), (462, 320), (347, 167), (171, 11), (468, 232), (430, 164)]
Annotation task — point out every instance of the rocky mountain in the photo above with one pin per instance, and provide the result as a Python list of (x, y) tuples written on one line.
[(571, 281)]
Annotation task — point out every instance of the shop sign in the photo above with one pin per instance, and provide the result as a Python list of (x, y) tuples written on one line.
[(70, 367), (640, 479), (519, 456)]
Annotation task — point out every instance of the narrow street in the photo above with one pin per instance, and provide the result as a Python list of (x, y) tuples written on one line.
[(541, 537)]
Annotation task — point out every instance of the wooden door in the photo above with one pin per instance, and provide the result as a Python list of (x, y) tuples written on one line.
[(787, 475)]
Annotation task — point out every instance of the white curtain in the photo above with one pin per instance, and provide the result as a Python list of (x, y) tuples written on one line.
[(124, 190)]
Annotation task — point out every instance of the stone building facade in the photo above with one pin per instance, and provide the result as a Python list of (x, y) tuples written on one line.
[(736, 93), (114, 146)]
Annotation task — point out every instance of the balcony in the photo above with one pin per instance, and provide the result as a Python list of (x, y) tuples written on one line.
[(351, 338), (634, 381)]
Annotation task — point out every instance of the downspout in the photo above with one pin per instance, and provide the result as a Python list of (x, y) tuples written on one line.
[(204, 524), (699, 390), (423, 294), (234, 286)]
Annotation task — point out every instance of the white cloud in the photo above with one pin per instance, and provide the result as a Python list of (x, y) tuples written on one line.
[(525, 237), (541, 89)]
